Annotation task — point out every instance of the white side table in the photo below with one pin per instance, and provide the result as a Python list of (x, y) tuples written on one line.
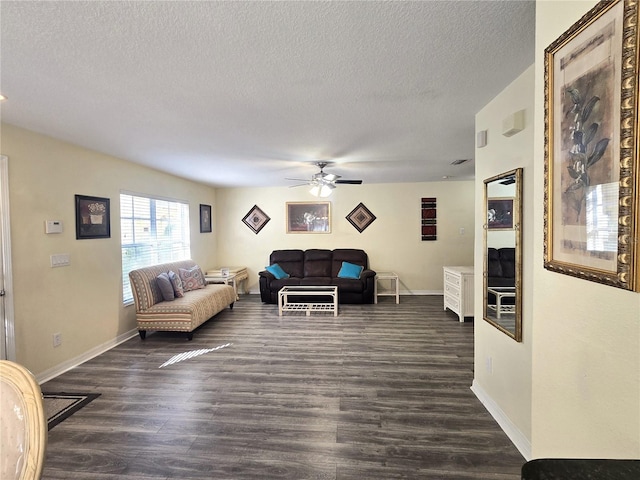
[(226, 279), (240, 272), (395, 286)]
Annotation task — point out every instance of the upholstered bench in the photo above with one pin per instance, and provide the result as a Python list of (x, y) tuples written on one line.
[(182, 314)]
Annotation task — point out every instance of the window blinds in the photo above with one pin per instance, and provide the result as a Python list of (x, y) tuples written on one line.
[(153, 231)]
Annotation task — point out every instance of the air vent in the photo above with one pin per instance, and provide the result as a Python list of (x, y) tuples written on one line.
[(459, 162)]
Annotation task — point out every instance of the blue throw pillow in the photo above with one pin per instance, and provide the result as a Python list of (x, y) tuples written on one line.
[(349, 270), (277, 271)]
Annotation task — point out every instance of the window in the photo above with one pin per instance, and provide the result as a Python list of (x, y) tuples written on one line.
[(602, 217), (153, 230)]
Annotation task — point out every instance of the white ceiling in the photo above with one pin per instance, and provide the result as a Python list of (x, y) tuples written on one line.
[(244, 93)]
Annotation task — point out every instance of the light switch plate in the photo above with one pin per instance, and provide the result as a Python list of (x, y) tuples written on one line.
[(60, 260)]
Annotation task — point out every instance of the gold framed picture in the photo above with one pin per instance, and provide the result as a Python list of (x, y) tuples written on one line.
[(308, 217), (591, 162)]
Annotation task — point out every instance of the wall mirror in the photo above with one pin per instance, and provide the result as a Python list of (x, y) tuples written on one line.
[(502, 273)]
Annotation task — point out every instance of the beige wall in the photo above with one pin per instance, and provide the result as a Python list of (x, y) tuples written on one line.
[(507, 382), (392, 241), (83, 301), (586, 336)]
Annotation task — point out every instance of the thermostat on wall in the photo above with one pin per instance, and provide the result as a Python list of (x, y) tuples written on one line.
[(53, 226)]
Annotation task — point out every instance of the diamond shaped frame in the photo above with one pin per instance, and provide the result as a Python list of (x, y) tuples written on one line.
[(256, 219), (361, 217)]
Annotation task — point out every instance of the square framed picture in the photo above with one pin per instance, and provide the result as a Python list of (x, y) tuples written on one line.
[(205, 219), (308, 217), (93, 217)]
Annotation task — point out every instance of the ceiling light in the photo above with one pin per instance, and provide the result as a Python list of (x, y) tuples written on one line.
[(2, 98), (321, 190)]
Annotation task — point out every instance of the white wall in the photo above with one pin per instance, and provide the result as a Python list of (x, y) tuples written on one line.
[(586, 336), (392, 241), (83, 301), (505, 385)]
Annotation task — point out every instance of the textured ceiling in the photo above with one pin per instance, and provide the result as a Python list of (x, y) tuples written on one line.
[(244, 93)]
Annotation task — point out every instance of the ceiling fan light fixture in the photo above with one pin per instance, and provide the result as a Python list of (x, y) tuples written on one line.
[(322, 191)]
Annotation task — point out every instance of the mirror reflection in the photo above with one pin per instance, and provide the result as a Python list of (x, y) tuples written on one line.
[(502, 260)]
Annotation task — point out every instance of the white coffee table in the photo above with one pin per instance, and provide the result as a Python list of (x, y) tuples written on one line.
[(501, 293), (286, 305)]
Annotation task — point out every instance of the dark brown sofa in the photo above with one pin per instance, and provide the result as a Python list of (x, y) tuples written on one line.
[(501, 267), (501, 270), (319, 267)]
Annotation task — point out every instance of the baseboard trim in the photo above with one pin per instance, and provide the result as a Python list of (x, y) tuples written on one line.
[(80, 359), (519, 440)]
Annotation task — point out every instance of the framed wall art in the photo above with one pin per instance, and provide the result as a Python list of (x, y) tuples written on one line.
[(308, 217), (429, 219), (205, 219), (500, 213), (93, 217), (360, 217), (256, 219), (591, 163)]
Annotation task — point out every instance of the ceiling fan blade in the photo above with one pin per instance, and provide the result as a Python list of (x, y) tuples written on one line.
[(350, 182), (298, 179), (300, 185)]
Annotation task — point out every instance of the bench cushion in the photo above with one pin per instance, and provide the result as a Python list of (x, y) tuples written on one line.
[(186, 313)]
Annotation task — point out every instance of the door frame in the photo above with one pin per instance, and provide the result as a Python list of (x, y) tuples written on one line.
[(8, 326)]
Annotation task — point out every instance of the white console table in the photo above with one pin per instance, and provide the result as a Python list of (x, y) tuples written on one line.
[(458, 291)]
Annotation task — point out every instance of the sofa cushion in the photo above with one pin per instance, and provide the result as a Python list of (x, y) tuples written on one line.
[(277, 271), (192, 279), (276, 284), (348, 285), (319, 281), (501, 267), (144, 287), (351, 255), (166, 289), (317, 263), (350, 270), (290, 260), (176, 283)]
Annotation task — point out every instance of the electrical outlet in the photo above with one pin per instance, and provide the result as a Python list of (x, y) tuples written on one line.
[(461, 230), (57, 339)]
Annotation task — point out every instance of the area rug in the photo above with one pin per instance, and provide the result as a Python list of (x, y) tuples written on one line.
[(60, 406)]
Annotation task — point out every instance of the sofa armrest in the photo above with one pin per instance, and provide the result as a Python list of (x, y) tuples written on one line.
[(265, 279), (367, 273), (266, 274)]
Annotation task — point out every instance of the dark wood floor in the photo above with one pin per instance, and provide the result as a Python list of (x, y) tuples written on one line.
[(380, 392)]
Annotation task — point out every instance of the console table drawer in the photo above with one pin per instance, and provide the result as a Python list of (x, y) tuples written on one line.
[(451, 302), (451, 278), (451, 290)]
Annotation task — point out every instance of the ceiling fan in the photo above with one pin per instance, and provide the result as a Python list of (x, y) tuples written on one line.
[(323, 183)]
